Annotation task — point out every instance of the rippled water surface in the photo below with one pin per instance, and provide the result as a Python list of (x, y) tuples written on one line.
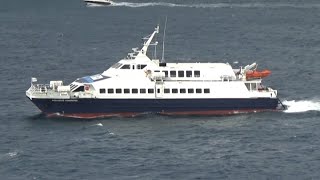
[(66, 40)]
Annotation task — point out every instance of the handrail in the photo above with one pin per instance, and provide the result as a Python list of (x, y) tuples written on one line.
[(40, 88)]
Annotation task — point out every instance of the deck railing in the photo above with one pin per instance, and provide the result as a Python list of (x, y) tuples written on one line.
[(40, 88)]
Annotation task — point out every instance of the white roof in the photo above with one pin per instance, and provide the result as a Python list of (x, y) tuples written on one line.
[(198, 65)]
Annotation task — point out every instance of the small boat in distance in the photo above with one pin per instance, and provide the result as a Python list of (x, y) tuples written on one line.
[(98, 2)]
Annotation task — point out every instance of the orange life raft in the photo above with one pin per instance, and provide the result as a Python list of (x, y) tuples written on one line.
[(254, 74)]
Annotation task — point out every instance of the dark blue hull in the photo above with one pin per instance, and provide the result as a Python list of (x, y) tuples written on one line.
[(106, 107)]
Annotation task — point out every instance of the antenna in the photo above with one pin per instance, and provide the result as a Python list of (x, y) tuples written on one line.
[(155, 51), (164, 36), (155, 46)]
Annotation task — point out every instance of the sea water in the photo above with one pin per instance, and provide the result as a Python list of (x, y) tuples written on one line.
[(64, 40)]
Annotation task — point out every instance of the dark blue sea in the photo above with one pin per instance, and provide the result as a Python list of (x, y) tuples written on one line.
[(64, 40)]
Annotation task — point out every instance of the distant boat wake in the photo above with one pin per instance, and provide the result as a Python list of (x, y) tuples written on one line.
[(95, 5), (301, 106), (218, 5)]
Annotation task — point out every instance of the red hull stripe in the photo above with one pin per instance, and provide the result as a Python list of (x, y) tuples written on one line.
[(215, 112), (132, 114)]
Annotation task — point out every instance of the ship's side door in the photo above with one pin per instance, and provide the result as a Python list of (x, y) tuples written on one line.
[(158, 89)]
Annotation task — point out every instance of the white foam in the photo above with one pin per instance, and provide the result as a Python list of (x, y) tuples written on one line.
[(94, 5), (12, 154), (99, 124), (302, 106), (219, 5), (8, 155)]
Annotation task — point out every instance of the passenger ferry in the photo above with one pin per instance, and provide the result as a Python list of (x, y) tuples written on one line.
[(140, 84)]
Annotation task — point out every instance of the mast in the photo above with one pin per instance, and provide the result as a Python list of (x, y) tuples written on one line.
[(164, 36), (147, 43)]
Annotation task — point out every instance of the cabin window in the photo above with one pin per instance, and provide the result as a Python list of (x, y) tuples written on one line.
[(174, 91), (166, 73), (158, 90), (198, 90), (116, 65), (142, 91), (166, 91), (126, 91), (206, 90), (110, 91), (118, 91), (132, 66), (150, 91), (134, 91), (180, 73), (141, 66), (126, 66), (173, 74), (248, 86), (80, 88), (156, 70), (253, 86), (102, 91), (196, 73), (188, 73), (183, 91), (190, 90)]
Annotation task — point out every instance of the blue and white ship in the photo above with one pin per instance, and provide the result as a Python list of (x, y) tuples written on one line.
[(140, 84)]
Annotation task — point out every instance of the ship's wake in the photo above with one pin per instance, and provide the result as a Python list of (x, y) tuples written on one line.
[(94, 5), (137, 5), (219, 5), (9, 155), (301, 106)]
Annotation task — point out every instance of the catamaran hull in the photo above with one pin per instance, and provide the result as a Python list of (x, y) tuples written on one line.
[(93, 108)]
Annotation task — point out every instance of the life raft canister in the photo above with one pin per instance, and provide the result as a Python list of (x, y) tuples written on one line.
[(254, 74)]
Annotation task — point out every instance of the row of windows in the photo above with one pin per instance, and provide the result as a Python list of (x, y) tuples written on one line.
[(127, 91), (151, 91), (183, 90), (182, 73), (128, 66)]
